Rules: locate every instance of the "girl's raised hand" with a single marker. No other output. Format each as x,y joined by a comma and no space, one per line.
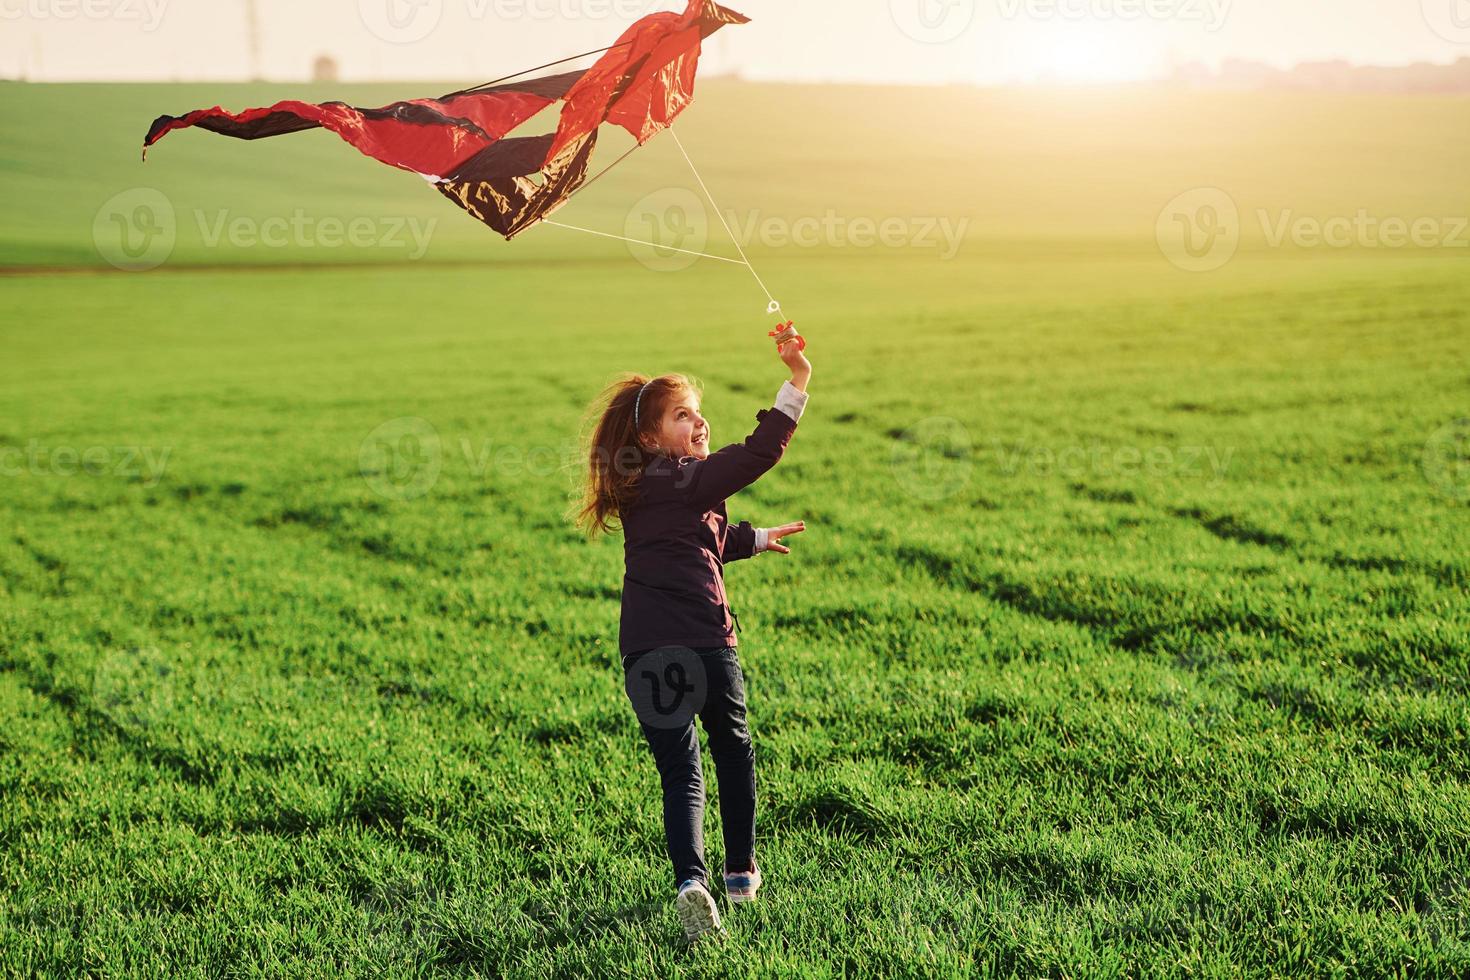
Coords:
775,534
789,345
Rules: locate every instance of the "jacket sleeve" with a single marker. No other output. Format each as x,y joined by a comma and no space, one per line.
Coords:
705,482
739,542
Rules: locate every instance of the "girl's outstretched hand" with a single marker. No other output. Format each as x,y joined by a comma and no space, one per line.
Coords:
775,534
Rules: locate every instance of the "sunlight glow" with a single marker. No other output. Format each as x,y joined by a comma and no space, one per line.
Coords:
1090,57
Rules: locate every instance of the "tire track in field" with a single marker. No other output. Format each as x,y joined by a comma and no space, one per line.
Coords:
1434,648
89,722
326,523
54,570
1070,606
1230,527
376,804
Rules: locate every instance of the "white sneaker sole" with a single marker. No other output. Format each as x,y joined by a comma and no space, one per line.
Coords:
697,913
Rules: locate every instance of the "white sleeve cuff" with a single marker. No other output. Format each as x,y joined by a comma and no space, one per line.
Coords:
761,542
791,400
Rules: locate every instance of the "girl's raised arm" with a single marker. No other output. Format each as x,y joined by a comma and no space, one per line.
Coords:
706,482
732,469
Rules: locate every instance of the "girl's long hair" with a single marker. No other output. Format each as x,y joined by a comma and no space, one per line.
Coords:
615,458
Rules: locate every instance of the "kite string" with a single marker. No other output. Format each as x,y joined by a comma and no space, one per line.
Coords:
775,306
549,64
635,241
598,176
638,241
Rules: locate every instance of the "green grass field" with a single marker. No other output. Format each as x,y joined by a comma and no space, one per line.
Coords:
1129,635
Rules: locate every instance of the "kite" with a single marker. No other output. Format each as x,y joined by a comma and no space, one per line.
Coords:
462,142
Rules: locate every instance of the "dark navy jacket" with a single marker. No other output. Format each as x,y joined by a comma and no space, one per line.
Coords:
677,539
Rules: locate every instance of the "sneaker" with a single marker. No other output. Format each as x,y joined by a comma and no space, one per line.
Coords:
741,886
697,912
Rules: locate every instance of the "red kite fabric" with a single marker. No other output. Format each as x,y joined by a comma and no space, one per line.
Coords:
426,136
647,78
458,141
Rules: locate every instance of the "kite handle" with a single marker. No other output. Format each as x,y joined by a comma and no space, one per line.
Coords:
800,340
775,310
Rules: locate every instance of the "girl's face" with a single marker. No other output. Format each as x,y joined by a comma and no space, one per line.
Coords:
682,431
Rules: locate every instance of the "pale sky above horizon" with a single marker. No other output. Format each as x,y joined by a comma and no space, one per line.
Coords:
920,41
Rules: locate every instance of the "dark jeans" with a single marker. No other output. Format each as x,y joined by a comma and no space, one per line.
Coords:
669,687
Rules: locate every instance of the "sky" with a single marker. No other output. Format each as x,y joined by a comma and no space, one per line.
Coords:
917,41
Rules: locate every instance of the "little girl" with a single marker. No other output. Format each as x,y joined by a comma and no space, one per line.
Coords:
651,468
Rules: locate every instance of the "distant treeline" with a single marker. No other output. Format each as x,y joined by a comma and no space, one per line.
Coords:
1335,76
